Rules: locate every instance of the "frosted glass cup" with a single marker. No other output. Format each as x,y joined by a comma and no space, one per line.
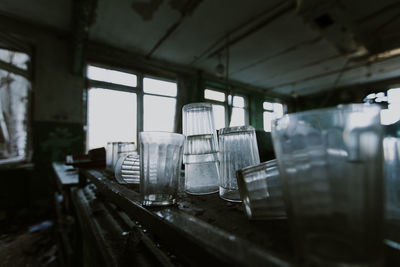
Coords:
330,162
238,148
200,149
391,150
261,192
115,150
127,169
160,166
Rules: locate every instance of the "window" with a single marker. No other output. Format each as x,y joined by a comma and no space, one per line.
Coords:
271,111
221,103
14,106
159,105
111,76
113,105
111,113
111,117
392,99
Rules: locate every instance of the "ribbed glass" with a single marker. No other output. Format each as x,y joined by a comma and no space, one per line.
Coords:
391,146
115,150
127,169
238,149
200,150
160,164
330,163
261,192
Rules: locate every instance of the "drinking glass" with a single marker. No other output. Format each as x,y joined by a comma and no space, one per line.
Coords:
200,150
238,148
127,169
260,190
330,162
391,148
115,150
160,165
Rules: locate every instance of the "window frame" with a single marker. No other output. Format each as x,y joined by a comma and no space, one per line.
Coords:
272,111
228,105
138,90
28,75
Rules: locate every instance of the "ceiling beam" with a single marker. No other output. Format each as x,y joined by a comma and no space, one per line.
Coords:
277,12
187,9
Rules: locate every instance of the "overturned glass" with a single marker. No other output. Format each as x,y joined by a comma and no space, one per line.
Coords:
260,190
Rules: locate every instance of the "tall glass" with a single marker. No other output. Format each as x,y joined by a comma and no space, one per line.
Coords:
200,150
330,162
261,192
160,165
391,148
238,148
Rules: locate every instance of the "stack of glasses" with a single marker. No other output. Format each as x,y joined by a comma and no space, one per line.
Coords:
200,149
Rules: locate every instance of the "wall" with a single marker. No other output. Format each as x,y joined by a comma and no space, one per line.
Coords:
57,117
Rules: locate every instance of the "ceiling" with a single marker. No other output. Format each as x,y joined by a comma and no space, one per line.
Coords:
287,47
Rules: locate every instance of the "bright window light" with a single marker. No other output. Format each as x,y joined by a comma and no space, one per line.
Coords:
268,117
158,87
111,76
268,106
219,116
214,95
111,117
159,113
392,114
271,111
238,117
278,110
238,101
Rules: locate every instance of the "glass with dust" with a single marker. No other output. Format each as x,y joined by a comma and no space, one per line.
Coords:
330,162
200,150
160,165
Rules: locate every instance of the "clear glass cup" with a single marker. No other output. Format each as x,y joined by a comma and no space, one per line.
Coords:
261,192
391,151
160,167
238,148
115,150
200,150
330,162
127,169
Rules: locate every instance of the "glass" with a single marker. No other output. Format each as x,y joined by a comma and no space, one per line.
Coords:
261,192
111,76
201,149
219,116
158,87
127,169
391,148
115,150
238,148
214,95
159,113
330,161
160,165
111,117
